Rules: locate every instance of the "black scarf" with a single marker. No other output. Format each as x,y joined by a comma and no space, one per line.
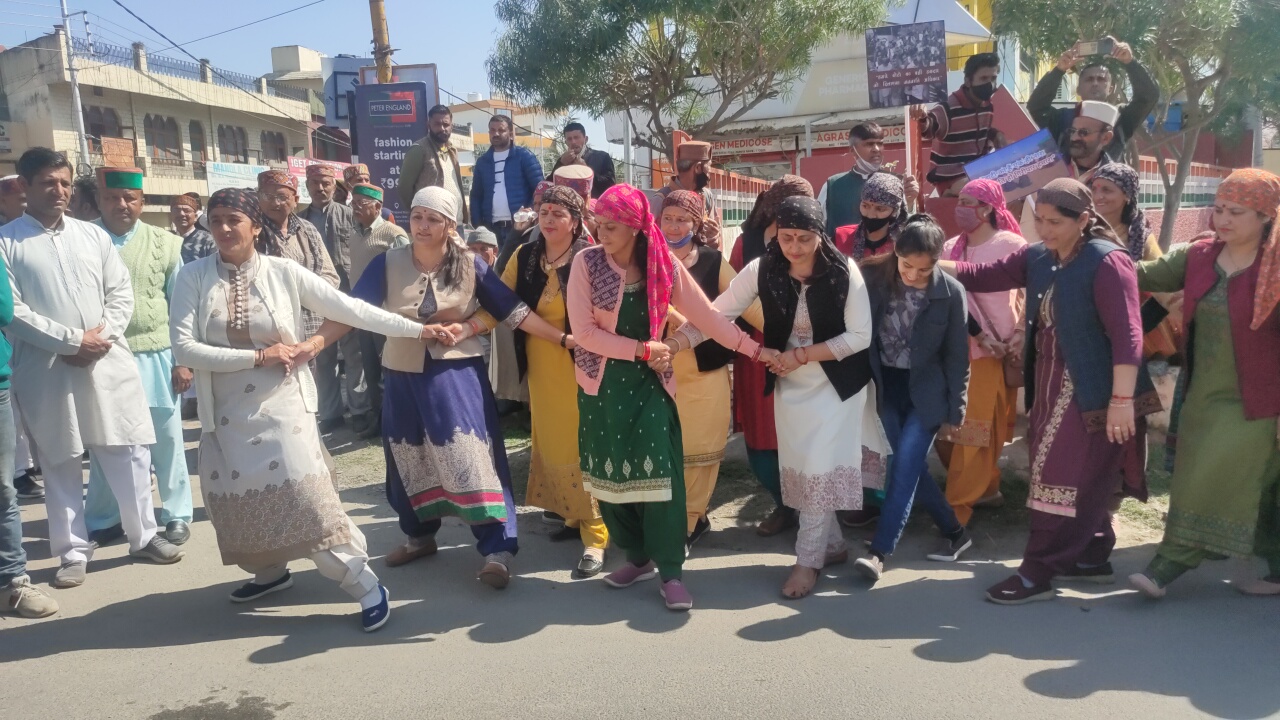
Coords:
531,280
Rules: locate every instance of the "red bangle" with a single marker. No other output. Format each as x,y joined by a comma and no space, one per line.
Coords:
1121,397
648,353
755,357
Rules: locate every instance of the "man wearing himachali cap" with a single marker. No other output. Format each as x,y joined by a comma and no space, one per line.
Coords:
337,225
153,258
1088,137
693,173
374,236
79,386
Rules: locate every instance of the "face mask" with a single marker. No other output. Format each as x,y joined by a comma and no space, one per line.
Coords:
862,166
968,219
984,91
876,224
682,242
700,181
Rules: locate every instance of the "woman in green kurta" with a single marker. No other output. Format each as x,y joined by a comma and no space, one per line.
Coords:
629,440
1223,495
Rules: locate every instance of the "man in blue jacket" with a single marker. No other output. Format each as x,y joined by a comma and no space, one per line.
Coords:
503,180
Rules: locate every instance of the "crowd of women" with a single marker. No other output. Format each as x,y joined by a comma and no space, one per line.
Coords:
853,358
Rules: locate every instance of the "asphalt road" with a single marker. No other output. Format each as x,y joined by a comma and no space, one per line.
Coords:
163,643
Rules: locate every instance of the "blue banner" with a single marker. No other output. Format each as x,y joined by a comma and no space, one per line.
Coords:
1023,167
389,120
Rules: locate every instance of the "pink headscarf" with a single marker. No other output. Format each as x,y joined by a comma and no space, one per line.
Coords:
991,193
625,204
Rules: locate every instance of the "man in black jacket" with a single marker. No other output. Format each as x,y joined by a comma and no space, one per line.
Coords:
600,162
1095,84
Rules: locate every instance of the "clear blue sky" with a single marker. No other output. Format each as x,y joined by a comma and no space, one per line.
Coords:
456,36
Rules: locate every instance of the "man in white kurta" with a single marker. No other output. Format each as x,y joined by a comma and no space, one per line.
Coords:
71,293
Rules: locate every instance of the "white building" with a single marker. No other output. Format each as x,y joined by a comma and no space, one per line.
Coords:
167,116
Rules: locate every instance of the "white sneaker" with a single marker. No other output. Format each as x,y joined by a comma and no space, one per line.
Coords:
29,601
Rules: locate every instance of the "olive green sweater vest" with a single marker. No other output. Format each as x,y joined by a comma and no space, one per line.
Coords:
149,255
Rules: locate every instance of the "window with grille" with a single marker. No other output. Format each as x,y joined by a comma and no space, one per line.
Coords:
100,122
199,153
274,146
233,144
164,144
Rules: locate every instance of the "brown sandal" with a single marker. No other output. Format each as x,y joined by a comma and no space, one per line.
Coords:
406,553
495,575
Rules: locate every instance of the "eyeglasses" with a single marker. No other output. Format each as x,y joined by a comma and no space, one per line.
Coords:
278,198
363,202
1083,132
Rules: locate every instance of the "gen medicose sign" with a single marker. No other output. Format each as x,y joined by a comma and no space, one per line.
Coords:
389,120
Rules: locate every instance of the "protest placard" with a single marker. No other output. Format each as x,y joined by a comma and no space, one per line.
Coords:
1023,167
907,64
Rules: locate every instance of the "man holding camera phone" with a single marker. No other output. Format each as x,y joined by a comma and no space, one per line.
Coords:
1096,83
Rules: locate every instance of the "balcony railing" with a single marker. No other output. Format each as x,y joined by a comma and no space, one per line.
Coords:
173,66
103,53
286,91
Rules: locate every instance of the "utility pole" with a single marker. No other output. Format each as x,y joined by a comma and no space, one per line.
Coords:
76,108
381,39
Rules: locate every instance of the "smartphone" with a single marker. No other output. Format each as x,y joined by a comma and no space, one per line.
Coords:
1104,46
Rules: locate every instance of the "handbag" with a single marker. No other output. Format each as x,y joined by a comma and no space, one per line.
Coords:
1013,375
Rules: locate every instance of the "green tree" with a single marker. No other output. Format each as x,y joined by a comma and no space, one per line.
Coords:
1214,57
693,65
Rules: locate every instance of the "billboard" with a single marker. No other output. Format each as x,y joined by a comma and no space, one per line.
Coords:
425,74
389,120
232,175
907,64
298,169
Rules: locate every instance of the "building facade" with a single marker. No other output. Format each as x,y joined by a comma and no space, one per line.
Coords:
167,116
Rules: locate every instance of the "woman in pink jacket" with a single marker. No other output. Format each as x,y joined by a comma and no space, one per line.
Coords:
629,436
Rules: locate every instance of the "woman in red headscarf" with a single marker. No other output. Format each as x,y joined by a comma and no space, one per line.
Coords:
1226,473
989,232
632,456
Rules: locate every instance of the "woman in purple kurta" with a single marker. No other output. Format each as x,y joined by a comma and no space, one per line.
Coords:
1087,392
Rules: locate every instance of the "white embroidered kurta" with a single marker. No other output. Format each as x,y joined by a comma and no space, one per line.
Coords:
821,439
65,281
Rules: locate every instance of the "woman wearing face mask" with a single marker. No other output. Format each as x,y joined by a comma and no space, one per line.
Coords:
816,311
971,451
1088,392
920,360
632,460
444,450
884,209
1226,473
703,375
752,407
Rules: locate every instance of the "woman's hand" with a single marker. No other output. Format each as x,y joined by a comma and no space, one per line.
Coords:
786,363
946,432
660,354
569,342
439,333
769,357
1017,343
304,352
459,331
1120,423
991,345
280,354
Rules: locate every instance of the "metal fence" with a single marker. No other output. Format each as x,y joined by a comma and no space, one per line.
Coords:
288,92
173,66
103,52
226,78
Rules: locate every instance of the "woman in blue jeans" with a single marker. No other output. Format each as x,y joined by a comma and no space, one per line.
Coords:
920,361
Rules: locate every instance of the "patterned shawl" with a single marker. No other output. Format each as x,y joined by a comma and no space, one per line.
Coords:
625,204
1259,190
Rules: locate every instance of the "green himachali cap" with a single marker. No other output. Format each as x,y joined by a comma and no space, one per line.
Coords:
120,178
372,191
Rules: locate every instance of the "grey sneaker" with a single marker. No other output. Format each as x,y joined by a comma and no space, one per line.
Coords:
951,550
159,551
29,601
70,575
869,567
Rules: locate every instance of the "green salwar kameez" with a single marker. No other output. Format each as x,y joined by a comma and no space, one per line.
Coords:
1223,495
632,457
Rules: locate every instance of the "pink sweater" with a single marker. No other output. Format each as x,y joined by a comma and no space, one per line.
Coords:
594,296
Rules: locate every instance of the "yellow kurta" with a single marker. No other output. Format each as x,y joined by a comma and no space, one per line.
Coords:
555,480
703,401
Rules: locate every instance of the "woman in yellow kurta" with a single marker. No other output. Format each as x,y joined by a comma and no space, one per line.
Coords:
702,376
538,273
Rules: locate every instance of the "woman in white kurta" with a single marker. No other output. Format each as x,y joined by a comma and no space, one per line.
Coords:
816,309
267,478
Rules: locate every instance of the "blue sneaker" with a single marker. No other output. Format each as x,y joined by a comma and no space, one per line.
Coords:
378,615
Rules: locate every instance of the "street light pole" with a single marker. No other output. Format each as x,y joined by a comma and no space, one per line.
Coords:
381,39
77,109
